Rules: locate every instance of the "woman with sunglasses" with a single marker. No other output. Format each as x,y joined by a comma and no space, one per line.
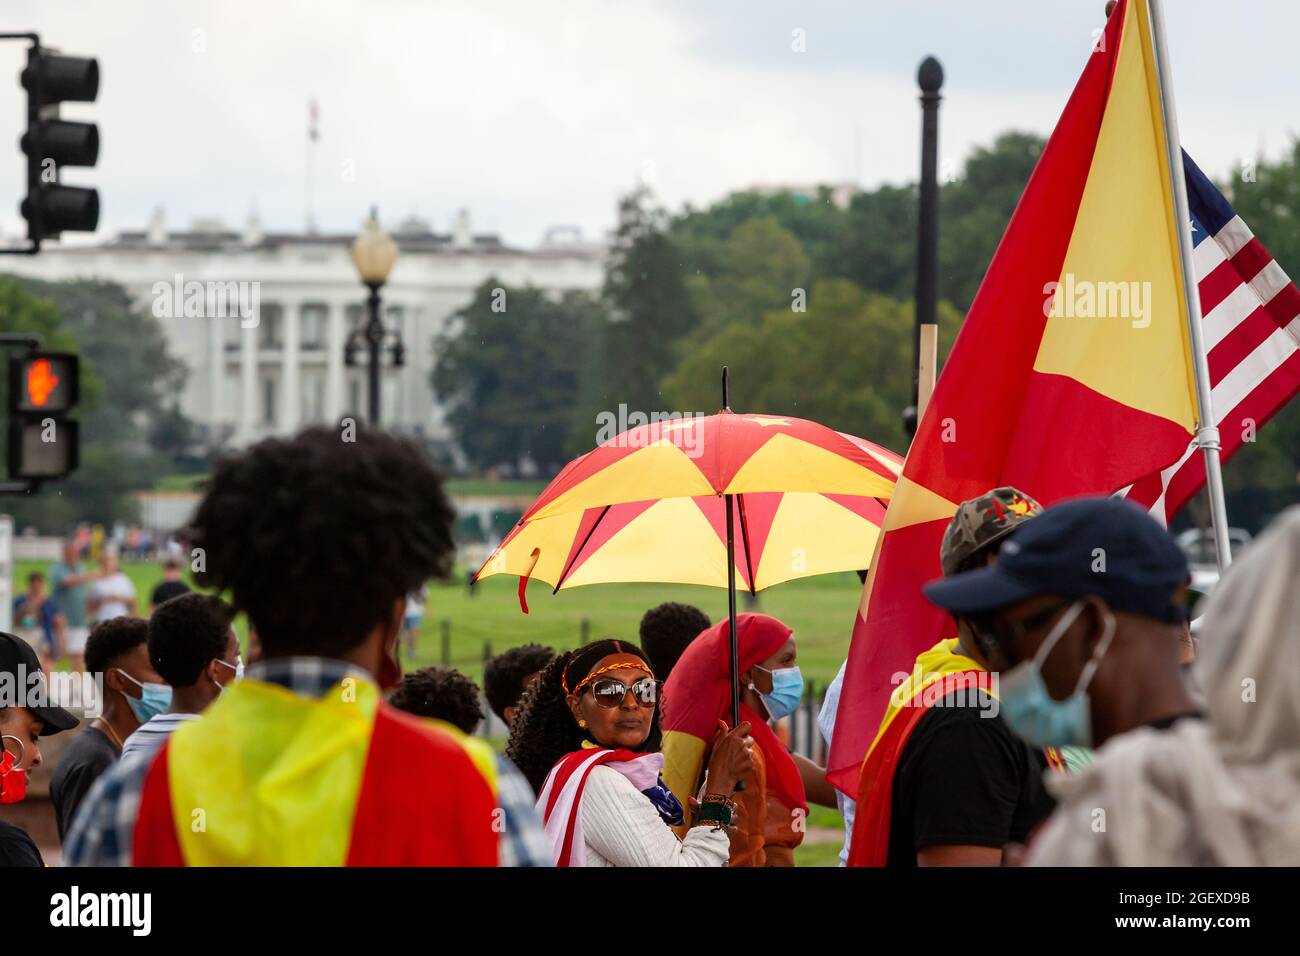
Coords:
587,738
770,811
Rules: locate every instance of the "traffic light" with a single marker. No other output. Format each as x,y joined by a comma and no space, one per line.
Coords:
52,143
43,387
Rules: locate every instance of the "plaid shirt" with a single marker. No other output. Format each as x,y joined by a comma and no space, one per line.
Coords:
104,828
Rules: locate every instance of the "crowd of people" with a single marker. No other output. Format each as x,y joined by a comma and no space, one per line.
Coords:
84,587
1068,687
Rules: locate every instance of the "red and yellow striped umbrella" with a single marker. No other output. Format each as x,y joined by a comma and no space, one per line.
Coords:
650,505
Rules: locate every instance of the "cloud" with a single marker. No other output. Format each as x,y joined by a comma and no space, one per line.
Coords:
532,114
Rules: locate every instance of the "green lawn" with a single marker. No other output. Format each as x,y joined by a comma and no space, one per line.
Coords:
819,609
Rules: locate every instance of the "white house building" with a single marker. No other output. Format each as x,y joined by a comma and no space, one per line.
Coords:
284,368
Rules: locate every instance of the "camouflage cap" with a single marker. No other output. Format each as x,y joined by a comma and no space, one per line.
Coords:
983,521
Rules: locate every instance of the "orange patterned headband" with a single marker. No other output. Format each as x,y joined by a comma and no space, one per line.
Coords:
621,665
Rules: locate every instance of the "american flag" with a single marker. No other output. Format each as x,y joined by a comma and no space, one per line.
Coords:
1251,316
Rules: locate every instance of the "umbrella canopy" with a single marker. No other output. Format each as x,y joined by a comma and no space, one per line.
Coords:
780,536
650,505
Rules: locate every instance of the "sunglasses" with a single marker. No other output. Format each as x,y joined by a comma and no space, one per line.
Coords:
611,693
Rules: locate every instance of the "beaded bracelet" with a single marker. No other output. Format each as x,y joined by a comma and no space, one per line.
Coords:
716,809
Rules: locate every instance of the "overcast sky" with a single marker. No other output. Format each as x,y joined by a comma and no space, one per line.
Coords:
532,113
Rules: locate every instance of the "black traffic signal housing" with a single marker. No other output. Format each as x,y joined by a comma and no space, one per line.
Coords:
52,143
43,387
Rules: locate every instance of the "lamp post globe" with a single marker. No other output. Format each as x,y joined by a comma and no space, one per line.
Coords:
373,254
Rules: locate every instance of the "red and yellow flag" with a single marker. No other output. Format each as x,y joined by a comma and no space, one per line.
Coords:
272,778
1072,373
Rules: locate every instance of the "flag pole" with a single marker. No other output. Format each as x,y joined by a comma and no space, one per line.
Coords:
1207,431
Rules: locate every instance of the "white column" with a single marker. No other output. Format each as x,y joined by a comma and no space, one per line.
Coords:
334,337
248,417
216,374
290,390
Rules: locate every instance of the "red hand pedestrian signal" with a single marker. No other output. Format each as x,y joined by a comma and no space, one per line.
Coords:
41,382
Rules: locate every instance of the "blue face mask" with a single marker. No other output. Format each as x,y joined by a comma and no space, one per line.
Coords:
1032,713
787,691
154,698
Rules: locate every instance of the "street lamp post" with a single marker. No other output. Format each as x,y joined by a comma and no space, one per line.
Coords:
373,254
929,78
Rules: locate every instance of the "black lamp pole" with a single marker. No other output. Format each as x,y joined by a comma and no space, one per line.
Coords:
375,340
930,78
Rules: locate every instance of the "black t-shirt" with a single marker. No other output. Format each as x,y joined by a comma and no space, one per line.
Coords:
16,847
166,590
88,756
964,780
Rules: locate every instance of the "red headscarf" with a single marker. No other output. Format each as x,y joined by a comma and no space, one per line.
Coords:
698,694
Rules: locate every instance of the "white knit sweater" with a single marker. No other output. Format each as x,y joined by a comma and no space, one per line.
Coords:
621,827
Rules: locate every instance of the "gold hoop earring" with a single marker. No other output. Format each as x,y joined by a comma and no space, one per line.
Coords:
582,724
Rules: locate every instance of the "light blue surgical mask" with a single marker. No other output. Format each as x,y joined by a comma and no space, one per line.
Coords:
787,691
154,698
1032,713
237,667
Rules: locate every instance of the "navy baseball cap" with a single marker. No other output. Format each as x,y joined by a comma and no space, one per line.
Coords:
1106,547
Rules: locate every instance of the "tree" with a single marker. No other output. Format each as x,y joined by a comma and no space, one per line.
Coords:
647,303
129,385
760,267
128,348
508,373
975,209
846,362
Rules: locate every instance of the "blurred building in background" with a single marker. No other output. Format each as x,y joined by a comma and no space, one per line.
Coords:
249,381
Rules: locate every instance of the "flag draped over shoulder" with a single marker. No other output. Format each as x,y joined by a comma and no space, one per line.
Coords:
1071,375
273,778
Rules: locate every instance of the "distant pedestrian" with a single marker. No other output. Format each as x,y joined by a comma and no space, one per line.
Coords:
412,620
70,588
171,585
38,620
112,594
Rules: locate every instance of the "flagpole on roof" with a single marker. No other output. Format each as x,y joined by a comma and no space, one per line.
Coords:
1207,432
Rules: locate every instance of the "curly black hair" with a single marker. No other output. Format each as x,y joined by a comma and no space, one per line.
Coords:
186,634
667,630
443,693
318,536
111,640
544,729
503,675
